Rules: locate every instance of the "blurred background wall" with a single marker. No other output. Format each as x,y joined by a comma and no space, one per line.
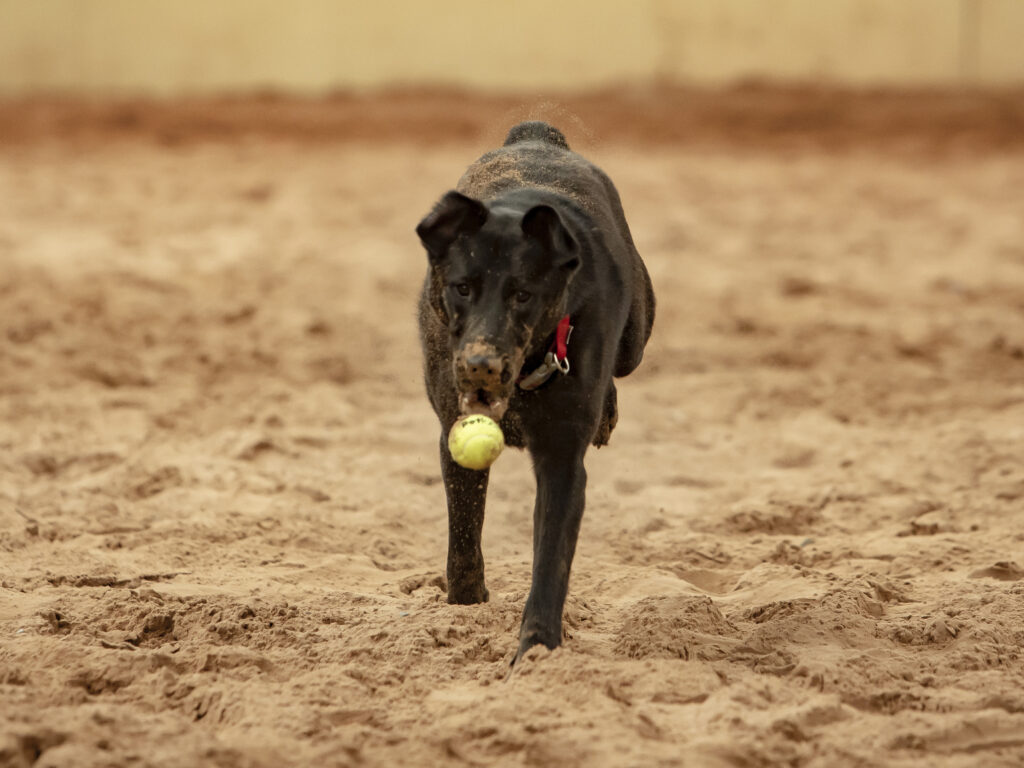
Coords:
167,47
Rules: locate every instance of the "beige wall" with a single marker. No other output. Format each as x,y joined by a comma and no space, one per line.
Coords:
203,46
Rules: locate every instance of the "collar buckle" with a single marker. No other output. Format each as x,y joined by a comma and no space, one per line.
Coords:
552,362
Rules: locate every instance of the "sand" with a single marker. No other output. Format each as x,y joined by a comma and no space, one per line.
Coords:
222,532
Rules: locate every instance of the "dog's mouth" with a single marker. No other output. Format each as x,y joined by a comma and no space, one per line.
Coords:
481,401
485,378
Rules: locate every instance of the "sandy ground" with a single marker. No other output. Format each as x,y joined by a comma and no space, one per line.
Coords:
222,533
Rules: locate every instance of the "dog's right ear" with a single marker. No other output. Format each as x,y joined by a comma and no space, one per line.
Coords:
454,215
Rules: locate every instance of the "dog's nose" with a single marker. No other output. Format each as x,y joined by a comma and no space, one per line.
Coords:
481,365
485,369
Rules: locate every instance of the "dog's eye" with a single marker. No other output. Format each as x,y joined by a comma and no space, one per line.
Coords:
523,296
462,289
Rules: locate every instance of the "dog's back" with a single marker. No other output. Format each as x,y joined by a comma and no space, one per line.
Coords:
535,130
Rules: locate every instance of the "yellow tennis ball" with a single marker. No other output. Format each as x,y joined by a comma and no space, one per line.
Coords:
475,441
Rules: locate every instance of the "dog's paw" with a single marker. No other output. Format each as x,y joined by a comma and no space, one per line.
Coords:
467,593
534,639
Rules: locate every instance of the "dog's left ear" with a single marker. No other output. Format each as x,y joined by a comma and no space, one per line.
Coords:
454,215
543,224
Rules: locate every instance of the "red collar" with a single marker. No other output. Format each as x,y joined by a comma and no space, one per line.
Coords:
555,360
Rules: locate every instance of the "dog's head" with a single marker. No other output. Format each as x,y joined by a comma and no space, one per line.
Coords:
498,281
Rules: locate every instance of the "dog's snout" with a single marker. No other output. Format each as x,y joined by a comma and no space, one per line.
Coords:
483,376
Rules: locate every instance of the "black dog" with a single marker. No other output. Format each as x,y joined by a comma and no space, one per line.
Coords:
533,239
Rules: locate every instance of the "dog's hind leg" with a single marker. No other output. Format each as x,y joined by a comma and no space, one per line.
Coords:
609,419
638,325
561,486
466,490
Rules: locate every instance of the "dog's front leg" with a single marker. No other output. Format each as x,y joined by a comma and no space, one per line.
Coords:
561,486
466,490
